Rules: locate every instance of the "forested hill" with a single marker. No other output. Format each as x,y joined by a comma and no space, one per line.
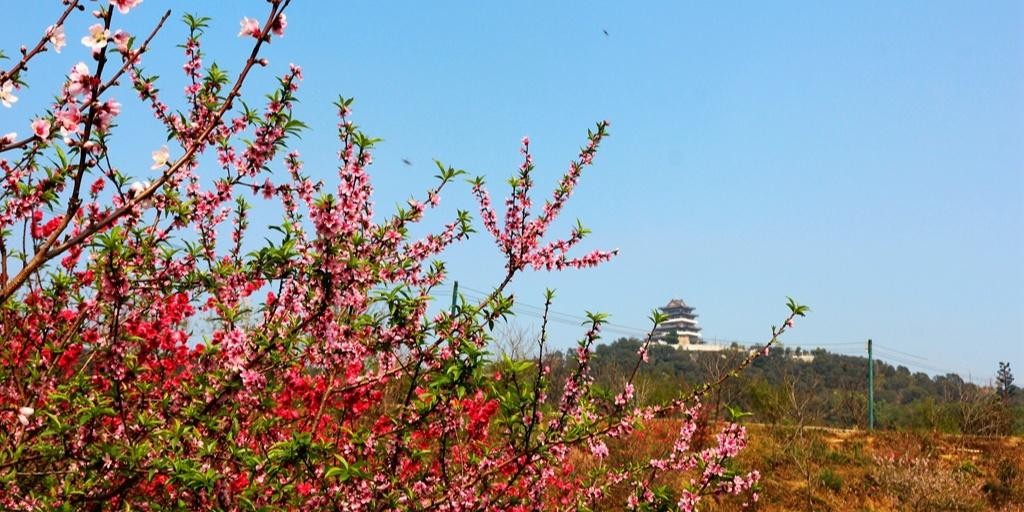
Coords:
830,389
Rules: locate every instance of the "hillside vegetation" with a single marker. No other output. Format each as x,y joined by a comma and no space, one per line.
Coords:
830,390
940,443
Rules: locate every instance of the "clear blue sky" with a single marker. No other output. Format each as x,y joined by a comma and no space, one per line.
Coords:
866,159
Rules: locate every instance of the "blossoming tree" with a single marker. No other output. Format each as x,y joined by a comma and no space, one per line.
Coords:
323,379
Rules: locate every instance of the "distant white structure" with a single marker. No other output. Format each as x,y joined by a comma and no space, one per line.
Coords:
702,347
680,329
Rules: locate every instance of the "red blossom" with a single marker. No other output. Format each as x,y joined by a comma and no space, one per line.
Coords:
222,330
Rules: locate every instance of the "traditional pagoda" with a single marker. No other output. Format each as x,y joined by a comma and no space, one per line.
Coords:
681,328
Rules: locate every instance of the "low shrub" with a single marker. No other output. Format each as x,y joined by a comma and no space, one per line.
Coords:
922,484
830,480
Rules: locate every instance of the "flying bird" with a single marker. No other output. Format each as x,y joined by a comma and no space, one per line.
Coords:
406,161
605,32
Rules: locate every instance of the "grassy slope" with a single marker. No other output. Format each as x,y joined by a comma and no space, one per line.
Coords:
831,469
836,469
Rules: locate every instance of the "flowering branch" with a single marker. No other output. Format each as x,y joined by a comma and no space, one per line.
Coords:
158,354
50,250
26,56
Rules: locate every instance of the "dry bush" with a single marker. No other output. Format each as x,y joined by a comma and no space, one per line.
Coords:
654,440
1006,486
918,483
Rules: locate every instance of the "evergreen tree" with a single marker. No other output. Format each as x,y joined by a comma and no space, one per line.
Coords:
1004,380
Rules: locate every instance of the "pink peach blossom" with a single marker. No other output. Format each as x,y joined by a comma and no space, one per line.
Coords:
123,6
41,128
121,39
79,79
24,413
97,38
7,97
250,27
56,37
280,23
160,158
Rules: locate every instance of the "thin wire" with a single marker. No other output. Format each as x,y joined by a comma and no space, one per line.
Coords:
922,366
852,343
630,329
883,347
933,368
567,318
534,311
538,312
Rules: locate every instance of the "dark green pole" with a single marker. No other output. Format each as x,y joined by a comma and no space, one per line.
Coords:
455,296
871,388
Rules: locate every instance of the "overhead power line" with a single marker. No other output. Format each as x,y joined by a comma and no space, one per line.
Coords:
916,364
883,347
846,348
535,311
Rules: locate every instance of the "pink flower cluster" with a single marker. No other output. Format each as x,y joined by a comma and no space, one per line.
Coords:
221,330
521,237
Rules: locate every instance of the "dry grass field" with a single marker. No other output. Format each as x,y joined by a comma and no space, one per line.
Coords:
822,469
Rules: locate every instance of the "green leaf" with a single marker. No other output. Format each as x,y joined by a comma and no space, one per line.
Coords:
796,308
735,413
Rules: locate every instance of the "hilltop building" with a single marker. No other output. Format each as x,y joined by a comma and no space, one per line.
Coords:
681,329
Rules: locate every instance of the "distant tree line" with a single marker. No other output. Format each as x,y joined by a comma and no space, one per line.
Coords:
830,390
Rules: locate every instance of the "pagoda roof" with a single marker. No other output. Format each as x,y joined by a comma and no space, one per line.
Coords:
676,303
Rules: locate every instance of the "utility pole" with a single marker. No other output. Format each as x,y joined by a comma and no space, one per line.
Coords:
871,388
455,296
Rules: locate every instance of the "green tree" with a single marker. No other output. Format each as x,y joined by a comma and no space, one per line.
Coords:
1004,380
